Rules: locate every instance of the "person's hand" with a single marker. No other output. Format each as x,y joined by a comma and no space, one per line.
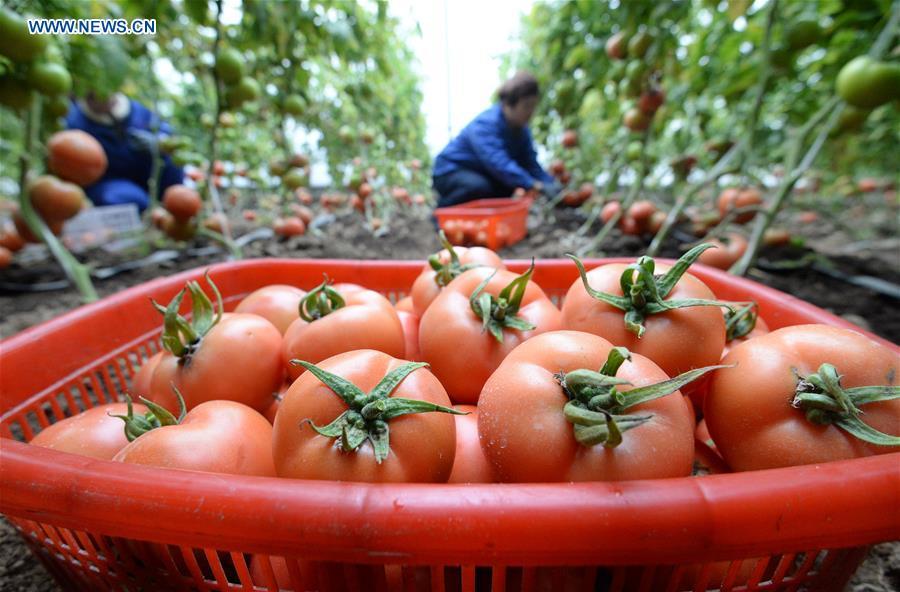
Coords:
550,190
142,140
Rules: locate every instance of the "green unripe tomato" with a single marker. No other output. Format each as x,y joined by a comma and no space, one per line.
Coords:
230,65
49,78
867,83
803,33
639,44
16,42
293,105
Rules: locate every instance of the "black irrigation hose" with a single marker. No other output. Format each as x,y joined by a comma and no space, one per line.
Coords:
875,284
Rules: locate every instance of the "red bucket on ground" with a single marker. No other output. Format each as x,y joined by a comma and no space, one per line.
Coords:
493,223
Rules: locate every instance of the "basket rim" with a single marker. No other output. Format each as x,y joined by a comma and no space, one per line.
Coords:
714,517
486,207
838,504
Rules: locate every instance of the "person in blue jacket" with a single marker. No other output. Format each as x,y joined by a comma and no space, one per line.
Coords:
494,154
126,129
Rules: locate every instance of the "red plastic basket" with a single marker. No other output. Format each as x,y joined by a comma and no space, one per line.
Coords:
102,525
493,223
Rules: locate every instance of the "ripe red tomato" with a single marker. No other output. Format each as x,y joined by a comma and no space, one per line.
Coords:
10,239
734,198
609,210
641,211
636,120
92,433
651,100
304,213
629,226
143,379
410,324
767,411
24,231
431,281
570,138
215,436
616,46
354,318
290,226
726,252
678,340
76,156
54,199
527,437
237,358
557,168
278,304
364,191
182,202
453,339
421,444
470,465
405,304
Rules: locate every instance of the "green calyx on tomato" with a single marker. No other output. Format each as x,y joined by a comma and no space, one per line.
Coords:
321,301
597,410
645,294
499,312
825,402
449,271
740,322
369,413
157,417
180,336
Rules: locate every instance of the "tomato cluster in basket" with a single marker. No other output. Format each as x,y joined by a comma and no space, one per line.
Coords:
475,232
477,376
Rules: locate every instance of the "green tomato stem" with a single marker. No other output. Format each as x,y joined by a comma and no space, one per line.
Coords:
369,413
825,402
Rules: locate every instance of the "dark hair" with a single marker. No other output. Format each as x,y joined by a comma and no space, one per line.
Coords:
521,85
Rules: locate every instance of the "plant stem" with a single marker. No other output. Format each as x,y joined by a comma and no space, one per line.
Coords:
797,165
75,271
765,74
720,168
764,220
211,192
229,244
611,184
633,192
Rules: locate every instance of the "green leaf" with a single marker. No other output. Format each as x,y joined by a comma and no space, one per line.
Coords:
392,380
